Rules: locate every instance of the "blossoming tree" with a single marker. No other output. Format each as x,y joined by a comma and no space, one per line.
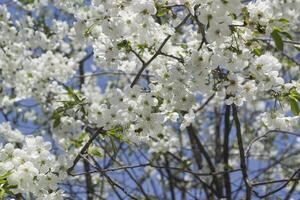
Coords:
149,99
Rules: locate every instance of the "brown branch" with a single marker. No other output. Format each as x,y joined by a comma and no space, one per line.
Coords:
89,181
205,103
85,148
241,151
201,29
86,57
226,151
170,177
291,191
88,178
172,56
138,56
199,149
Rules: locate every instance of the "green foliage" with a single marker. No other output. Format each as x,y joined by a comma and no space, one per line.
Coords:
294,106
277,34
89,30
257,51
26,1
295,94
142,47
161,11
246,16
4,186
277,39
75,103
95,151
79,141
113,145
235,50
117,133
283,20
124,44
294,99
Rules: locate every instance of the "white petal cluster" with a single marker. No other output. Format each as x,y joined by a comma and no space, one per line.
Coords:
10,135
32,167
144,71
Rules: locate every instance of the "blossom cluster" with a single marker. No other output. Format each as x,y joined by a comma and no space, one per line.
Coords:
30,165
169,60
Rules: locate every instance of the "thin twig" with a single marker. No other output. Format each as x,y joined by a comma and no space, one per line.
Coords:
157,53
85,148
284,41
138,56
112,182
205,103
264,136
199,149
113,73
255,184
280,188
159,167
172,56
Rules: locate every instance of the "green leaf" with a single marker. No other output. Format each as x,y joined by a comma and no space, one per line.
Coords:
286,34
278,29
26,1
72,94
89,30
94,151
257,51
161,12
2,193
229,167
246,15
83,136
56,122
297,46
277,39
294,105
283,20
142,47
184,46
113,145
294,94
3,181
124,44
117,133
11,187
4,176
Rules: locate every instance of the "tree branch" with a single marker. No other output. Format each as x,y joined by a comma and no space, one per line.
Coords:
85,148
278,189
197,146
264,136
242,153
157,53
226,151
